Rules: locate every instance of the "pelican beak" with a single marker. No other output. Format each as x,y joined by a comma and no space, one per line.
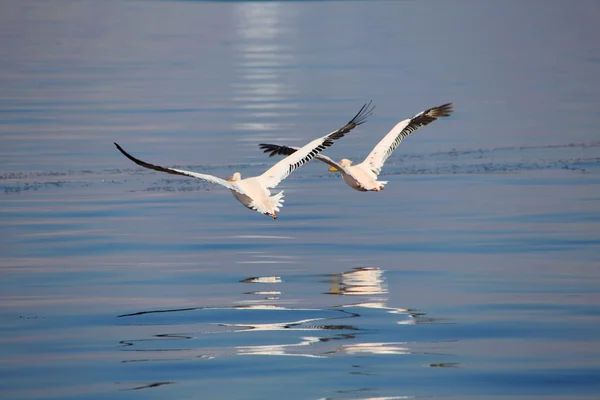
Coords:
332,169
230,179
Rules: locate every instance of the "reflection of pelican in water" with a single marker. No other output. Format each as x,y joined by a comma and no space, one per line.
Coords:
361,281
269,328
369,281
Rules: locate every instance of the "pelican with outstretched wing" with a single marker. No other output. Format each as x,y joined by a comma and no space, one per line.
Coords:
363,176
253,192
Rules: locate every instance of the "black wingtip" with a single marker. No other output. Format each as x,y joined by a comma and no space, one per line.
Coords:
365,111
274,149
126,154
271,149
360,118
445,110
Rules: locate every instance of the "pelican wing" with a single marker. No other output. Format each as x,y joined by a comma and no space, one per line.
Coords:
274,175
174,171
274,150
388,144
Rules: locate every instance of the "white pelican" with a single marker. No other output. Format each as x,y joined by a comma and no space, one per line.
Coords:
253,192
363,176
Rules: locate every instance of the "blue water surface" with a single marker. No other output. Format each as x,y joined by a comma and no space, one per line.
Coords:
473,275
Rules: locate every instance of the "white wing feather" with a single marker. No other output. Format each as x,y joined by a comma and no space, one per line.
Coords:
388,144
278,172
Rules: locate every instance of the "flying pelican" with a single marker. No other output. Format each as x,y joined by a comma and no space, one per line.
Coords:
363,176
253,192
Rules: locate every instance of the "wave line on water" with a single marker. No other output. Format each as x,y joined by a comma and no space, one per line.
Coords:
261,237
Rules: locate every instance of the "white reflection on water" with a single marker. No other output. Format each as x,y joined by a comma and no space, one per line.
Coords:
263,279
372,398
262,87
377,348
259,257
277,326
362,281
280,350
368,281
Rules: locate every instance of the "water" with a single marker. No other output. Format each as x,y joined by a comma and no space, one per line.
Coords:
474,274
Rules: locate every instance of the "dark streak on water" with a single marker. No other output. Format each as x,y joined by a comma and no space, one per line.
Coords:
513,159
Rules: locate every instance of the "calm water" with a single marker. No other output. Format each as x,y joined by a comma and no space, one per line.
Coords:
475,274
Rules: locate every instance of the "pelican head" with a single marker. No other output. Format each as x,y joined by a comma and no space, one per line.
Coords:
345,163
235,177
